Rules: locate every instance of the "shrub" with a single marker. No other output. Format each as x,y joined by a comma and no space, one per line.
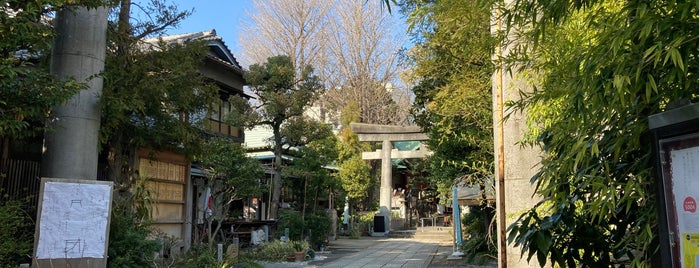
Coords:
291,219
16,234
204,256
361,227
367,218
319,225
479,247
129,245
199,256
274,251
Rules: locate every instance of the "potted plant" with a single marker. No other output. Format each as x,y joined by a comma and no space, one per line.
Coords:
323,245
299,249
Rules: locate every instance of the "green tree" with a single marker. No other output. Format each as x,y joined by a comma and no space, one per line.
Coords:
454,106
309,174
356,180
281,95
355,173
231,175
453,101
599,69
27,90
154,95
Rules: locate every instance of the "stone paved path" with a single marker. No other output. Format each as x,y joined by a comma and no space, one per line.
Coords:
387,253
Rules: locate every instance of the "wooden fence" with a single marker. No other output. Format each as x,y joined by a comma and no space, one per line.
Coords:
20,180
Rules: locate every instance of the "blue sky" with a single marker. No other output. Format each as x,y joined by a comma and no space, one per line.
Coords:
223,15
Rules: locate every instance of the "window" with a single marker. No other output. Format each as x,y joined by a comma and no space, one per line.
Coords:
217,120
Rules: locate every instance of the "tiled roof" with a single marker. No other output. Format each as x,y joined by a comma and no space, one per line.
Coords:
222,55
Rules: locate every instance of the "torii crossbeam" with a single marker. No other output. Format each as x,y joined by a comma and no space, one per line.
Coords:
387,134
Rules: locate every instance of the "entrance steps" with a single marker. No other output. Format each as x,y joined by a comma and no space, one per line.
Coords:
401,234
440,234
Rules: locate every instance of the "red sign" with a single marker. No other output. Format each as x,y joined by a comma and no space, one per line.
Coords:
690,204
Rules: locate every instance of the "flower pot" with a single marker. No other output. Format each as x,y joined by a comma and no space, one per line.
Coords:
299,255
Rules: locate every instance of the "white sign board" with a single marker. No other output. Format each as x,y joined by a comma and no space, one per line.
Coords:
680,167
685,167
73,219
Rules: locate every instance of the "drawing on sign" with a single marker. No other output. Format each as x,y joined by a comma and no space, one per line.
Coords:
73,220
73,246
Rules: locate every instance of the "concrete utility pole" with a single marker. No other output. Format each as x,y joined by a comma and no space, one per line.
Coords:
70,146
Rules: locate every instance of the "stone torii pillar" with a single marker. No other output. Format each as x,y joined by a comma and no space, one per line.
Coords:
387,134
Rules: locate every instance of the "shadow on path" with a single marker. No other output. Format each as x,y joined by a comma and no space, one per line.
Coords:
383,252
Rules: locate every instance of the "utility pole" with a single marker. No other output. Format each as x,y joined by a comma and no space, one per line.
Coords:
71,144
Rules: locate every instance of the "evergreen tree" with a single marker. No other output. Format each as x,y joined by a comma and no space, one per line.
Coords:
282,95
355,173
453,101
231,175
154,95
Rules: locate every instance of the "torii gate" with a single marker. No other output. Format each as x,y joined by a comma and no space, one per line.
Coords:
387,134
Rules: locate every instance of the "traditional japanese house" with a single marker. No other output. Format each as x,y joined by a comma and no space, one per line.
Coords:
174,178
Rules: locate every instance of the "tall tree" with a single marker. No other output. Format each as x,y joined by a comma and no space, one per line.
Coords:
283,27
453,103
152,89
348,43
452,76
231,175
362,63
281,95
355,173
599,68
317,149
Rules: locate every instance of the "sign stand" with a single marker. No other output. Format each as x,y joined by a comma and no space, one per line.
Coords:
72,228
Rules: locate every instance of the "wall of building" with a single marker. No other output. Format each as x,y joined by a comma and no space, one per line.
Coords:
168,175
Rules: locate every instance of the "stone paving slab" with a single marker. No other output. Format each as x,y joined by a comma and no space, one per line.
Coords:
393,252
443,259
370,252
